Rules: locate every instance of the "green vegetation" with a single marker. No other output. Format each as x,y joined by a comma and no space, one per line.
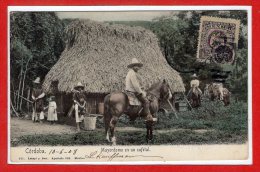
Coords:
220,125
36,42
178,38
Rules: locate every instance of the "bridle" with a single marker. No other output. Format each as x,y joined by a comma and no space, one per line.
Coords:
151,95
166,95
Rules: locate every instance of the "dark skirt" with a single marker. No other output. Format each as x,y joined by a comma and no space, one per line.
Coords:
38,105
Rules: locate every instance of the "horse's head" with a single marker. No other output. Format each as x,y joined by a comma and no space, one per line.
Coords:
165,91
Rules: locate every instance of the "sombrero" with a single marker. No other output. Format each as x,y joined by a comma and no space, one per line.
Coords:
37,80
79,85
135,62
194,76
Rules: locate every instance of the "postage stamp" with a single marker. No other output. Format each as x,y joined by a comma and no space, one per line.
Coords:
218,37
123,86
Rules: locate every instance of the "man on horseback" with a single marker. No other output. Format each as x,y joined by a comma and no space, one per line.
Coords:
218,86
194,94
194,84
133,85
118,102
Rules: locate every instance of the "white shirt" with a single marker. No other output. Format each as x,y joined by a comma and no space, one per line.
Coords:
132,82
195,82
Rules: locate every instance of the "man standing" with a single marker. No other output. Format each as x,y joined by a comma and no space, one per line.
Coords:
37,97
79,100
133,85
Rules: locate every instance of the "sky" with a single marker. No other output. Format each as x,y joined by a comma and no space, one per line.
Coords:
114,16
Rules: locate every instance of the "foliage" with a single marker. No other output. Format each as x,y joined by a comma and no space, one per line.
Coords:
178,38
36,42
41,34
211,115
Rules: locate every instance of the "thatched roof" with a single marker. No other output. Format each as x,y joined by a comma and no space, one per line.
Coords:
97,54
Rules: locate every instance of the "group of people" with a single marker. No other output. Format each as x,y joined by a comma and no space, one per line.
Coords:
132,84
194,86
79,100
38,97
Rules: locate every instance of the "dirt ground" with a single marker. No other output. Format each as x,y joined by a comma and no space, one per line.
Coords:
21,127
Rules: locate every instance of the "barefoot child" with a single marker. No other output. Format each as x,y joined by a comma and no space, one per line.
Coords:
52,110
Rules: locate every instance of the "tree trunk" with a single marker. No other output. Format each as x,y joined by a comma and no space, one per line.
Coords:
24,76
19,88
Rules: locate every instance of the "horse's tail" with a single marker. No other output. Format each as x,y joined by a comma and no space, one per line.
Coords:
107,113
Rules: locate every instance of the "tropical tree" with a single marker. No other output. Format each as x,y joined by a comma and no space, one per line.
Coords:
36,42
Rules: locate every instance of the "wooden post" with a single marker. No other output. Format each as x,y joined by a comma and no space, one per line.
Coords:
28,97
16,113
61,103
187,100
174,111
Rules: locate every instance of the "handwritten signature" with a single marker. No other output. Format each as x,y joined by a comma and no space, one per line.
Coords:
117,155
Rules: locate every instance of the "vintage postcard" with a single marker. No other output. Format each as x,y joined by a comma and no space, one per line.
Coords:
130,85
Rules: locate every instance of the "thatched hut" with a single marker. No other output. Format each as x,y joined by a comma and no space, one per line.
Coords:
97,54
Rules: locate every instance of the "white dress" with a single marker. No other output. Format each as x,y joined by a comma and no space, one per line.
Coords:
52,111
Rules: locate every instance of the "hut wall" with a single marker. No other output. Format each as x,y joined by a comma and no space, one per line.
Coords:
59,102
93,101
64,102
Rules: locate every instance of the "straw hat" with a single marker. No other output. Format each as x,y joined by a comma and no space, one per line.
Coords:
51,98
79,85
135,62
194,76
37,80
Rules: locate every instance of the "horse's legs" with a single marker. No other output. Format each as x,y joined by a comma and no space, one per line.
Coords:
107,125
149,130
199,99
112,129
226,100
107,119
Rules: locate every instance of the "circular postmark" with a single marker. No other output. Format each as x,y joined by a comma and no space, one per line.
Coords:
223,54
222,51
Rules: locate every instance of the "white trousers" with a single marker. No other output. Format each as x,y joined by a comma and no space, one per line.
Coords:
78,119
37,116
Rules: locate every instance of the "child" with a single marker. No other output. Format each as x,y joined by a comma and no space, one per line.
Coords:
52,110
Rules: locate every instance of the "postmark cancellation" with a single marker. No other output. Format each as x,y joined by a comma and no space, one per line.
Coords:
218,38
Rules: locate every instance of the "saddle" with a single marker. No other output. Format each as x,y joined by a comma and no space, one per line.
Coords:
133,100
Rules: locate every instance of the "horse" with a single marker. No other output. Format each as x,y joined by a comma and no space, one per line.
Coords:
213,93
194,98
117,103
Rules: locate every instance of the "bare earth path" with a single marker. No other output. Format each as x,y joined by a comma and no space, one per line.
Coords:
21,127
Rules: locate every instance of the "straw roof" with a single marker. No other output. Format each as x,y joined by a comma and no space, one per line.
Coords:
97,54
